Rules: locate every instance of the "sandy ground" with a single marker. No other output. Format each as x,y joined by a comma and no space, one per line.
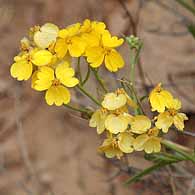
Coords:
60,145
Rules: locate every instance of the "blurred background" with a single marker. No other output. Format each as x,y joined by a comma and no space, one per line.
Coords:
50,150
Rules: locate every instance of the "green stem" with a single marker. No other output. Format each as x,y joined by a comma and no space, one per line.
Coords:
79,69
87,76
133,61
184,151
187,6
99,80
82,110
88,95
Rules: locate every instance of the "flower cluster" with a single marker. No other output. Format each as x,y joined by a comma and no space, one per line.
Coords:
126,133
45,56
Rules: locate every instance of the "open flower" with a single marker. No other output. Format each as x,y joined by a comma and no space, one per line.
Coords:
159,98
68,40
172,116
149,142
105,51
46,35
23,66
116,146
55,82
113,101
117,123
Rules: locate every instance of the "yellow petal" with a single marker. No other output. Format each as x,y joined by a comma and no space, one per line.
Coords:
152,145
98,120
125,142
116,124
47,34
21,70
179,121
77,47
41,57
164,121
95,56
66,75
42,79
113,61
139,142
140,124
61,48
113,101
159,99
57,95
109,41
174,104
73,29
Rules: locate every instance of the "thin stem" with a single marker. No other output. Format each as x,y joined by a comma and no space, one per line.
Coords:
88,95
82,110
184,151
79,69
87,76
134,56
99,79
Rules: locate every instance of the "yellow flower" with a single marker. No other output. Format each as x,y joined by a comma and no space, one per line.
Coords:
125,142
117,123
166,119
119,99
140,124
46,35
159,98
68,40
149,142
105,51
23,66
91,32
110,148
55,82
116,146
98,120
112,101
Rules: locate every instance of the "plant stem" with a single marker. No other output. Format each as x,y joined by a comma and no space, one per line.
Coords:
184,151
133,61
187,6
79,69
82,110
88,95
99,79
87,76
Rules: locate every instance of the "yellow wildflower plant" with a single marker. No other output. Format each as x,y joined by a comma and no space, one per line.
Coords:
159,98
23,66
149,142
172,116
69,41
46,35
55,82
105,52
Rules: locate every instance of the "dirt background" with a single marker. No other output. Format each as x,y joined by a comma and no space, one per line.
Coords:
49,150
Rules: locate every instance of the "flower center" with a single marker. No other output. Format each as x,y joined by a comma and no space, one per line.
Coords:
172,112
56,82
107,51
